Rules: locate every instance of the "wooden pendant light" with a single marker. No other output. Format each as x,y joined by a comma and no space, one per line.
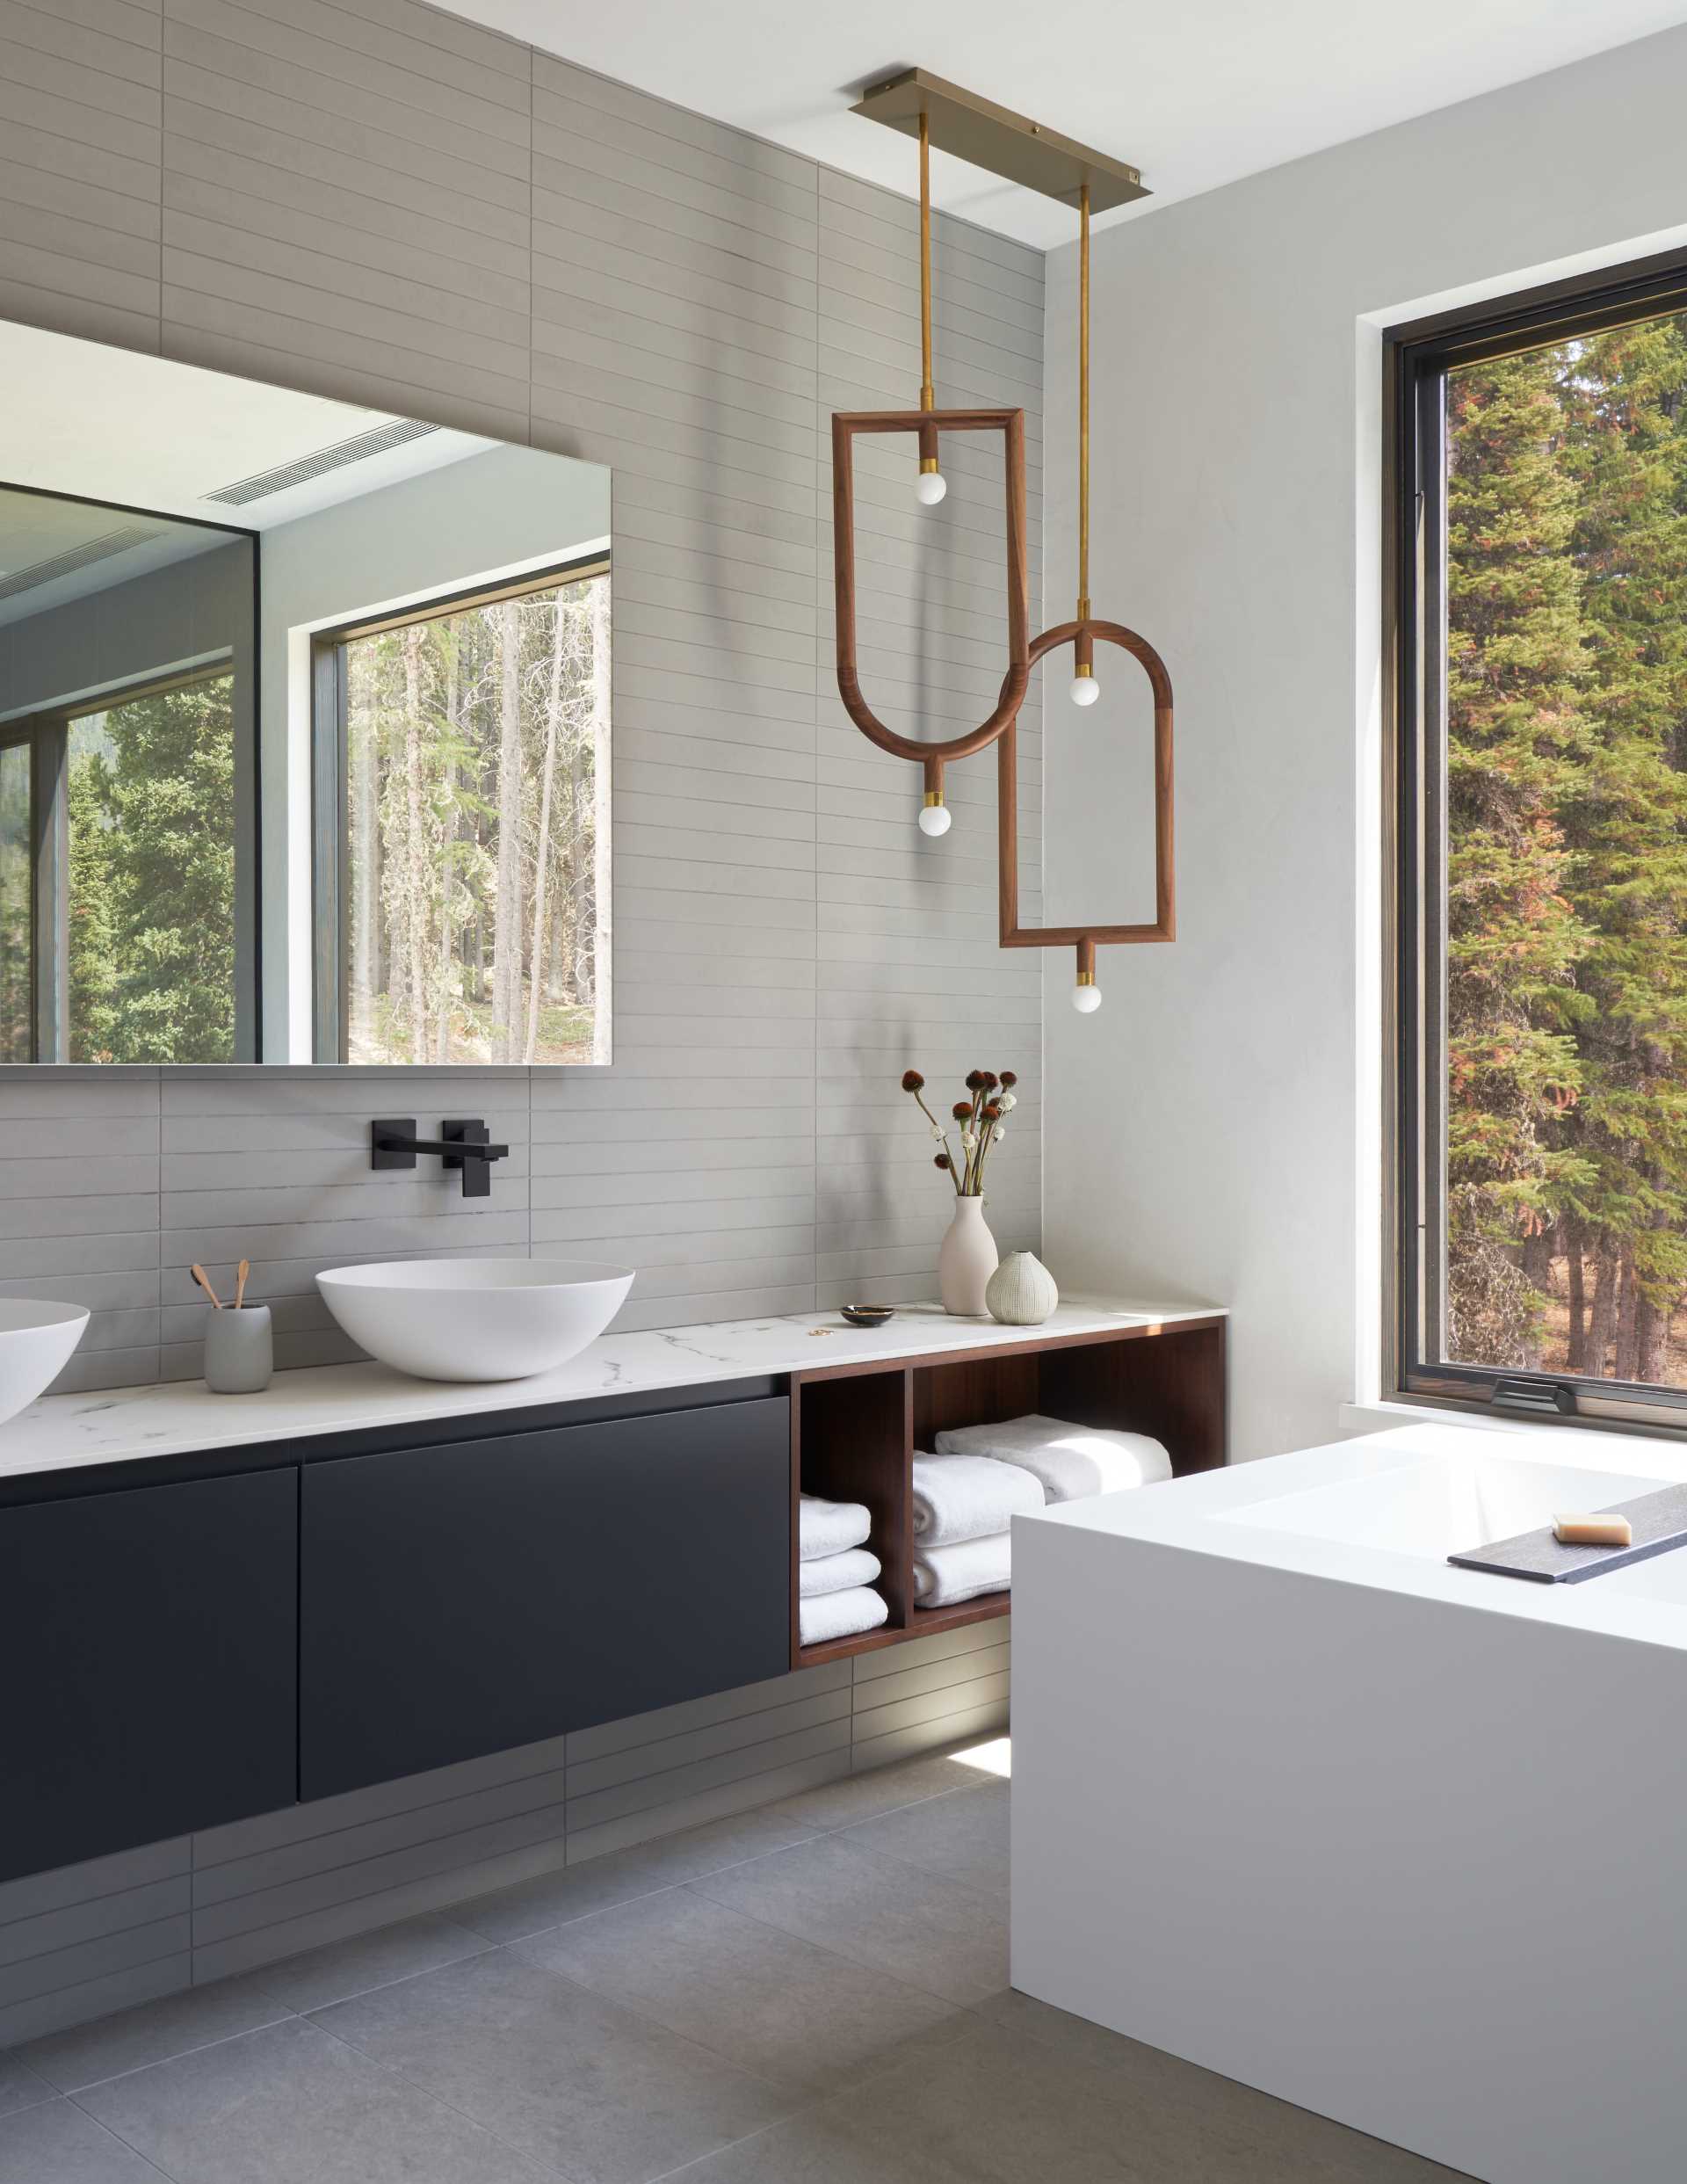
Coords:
1023,152
927,423
1082,634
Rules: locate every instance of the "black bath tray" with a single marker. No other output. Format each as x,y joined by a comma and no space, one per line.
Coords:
1658,1521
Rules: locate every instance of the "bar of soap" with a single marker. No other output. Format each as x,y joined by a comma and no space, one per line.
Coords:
1593,1531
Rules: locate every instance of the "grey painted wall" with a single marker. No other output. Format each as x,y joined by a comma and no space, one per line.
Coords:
372,200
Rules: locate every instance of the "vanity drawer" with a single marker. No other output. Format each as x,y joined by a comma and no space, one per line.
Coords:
150,1639
460,1600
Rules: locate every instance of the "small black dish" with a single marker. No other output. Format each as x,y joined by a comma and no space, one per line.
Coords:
867,1315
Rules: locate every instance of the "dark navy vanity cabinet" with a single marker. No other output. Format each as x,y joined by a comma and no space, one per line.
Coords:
150,1643
192,1640
455,1601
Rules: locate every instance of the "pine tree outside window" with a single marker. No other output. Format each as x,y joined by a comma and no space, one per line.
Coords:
117,877
1539,544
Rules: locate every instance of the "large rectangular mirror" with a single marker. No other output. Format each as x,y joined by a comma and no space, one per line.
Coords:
304,727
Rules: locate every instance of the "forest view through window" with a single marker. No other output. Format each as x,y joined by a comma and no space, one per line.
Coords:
1557,1074
476,748
117,879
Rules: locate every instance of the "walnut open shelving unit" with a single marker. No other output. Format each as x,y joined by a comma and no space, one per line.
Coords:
854,1429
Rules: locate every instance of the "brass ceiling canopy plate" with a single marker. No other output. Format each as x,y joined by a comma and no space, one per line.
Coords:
1001,142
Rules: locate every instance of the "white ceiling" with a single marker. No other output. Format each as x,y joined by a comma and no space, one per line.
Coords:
1194,93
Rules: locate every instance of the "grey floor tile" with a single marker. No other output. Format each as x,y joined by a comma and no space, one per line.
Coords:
600,2094
800,2015
343,1968
1264,2140
829,2145
931,1931
152,2032
963,1836
986,2109
881,1789
288,2105
551,1898
56,2144
20,2088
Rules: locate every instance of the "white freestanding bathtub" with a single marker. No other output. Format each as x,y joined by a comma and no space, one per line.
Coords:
1402,1843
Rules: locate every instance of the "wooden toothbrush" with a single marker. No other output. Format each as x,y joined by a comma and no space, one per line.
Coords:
204,1281
240,1272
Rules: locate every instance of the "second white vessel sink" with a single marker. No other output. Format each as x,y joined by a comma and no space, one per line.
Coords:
475,1318
35,1342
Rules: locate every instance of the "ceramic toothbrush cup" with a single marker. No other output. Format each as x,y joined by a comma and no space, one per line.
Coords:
239,1353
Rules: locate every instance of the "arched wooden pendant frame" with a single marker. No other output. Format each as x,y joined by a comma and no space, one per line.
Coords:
1083,637
928,425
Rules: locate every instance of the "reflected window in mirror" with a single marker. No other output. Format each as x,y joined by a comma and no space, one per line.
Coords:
125,737
463,751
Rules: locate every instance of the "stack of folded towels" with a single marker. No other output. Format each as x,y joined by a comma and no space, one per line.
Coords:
837,1571
963,1506
982,1476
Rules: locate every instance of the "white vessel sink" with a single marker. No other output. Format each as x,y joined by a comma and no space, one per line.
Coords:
35,1342
475,1318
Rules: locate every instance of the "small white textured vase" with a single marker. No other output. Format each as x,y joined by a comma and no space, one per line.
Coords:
966,1259
1021,1292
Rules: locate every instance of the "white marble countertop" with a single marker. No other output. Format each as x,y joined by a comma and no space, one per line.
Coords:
176,1418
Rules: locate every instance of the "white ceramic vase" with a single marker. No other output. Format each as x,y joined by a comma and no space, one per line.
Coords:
1021,1292
967,1260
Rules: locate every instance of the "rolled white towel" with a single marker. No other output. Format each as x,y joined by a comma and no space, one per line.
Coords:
827,1527
968,1498
840,1615
961,1570
1070,1460
836,1573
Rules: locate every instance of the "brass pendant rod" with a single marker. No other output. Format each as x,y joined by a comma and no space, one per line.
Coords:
927,395
1083,404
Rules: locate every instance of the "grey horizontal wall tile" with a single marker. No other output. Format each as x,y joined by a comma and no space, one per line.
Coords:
41,1894
357,1808
121,1949
414,24
498,72
269,1873
415,1861
52,1933
481,1875
86,2000
943,1731
967,1639
926,1707
697,1807
737,1740
712,1771
294,51
953,1672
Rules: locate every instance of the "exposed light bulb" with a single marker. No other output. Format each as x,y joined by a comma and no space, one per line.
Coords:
1086,999
1085,690
934,818
930,487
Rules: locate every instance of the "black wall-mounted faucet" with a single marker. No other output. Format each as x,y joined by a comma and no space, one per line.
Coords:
394,1144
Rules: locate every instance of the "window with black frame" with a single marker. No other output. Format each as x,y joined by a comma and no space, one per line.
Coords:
1539,560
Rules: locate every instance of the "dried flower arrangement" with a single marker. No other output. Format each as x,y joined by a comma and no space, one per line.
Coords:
982,1117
